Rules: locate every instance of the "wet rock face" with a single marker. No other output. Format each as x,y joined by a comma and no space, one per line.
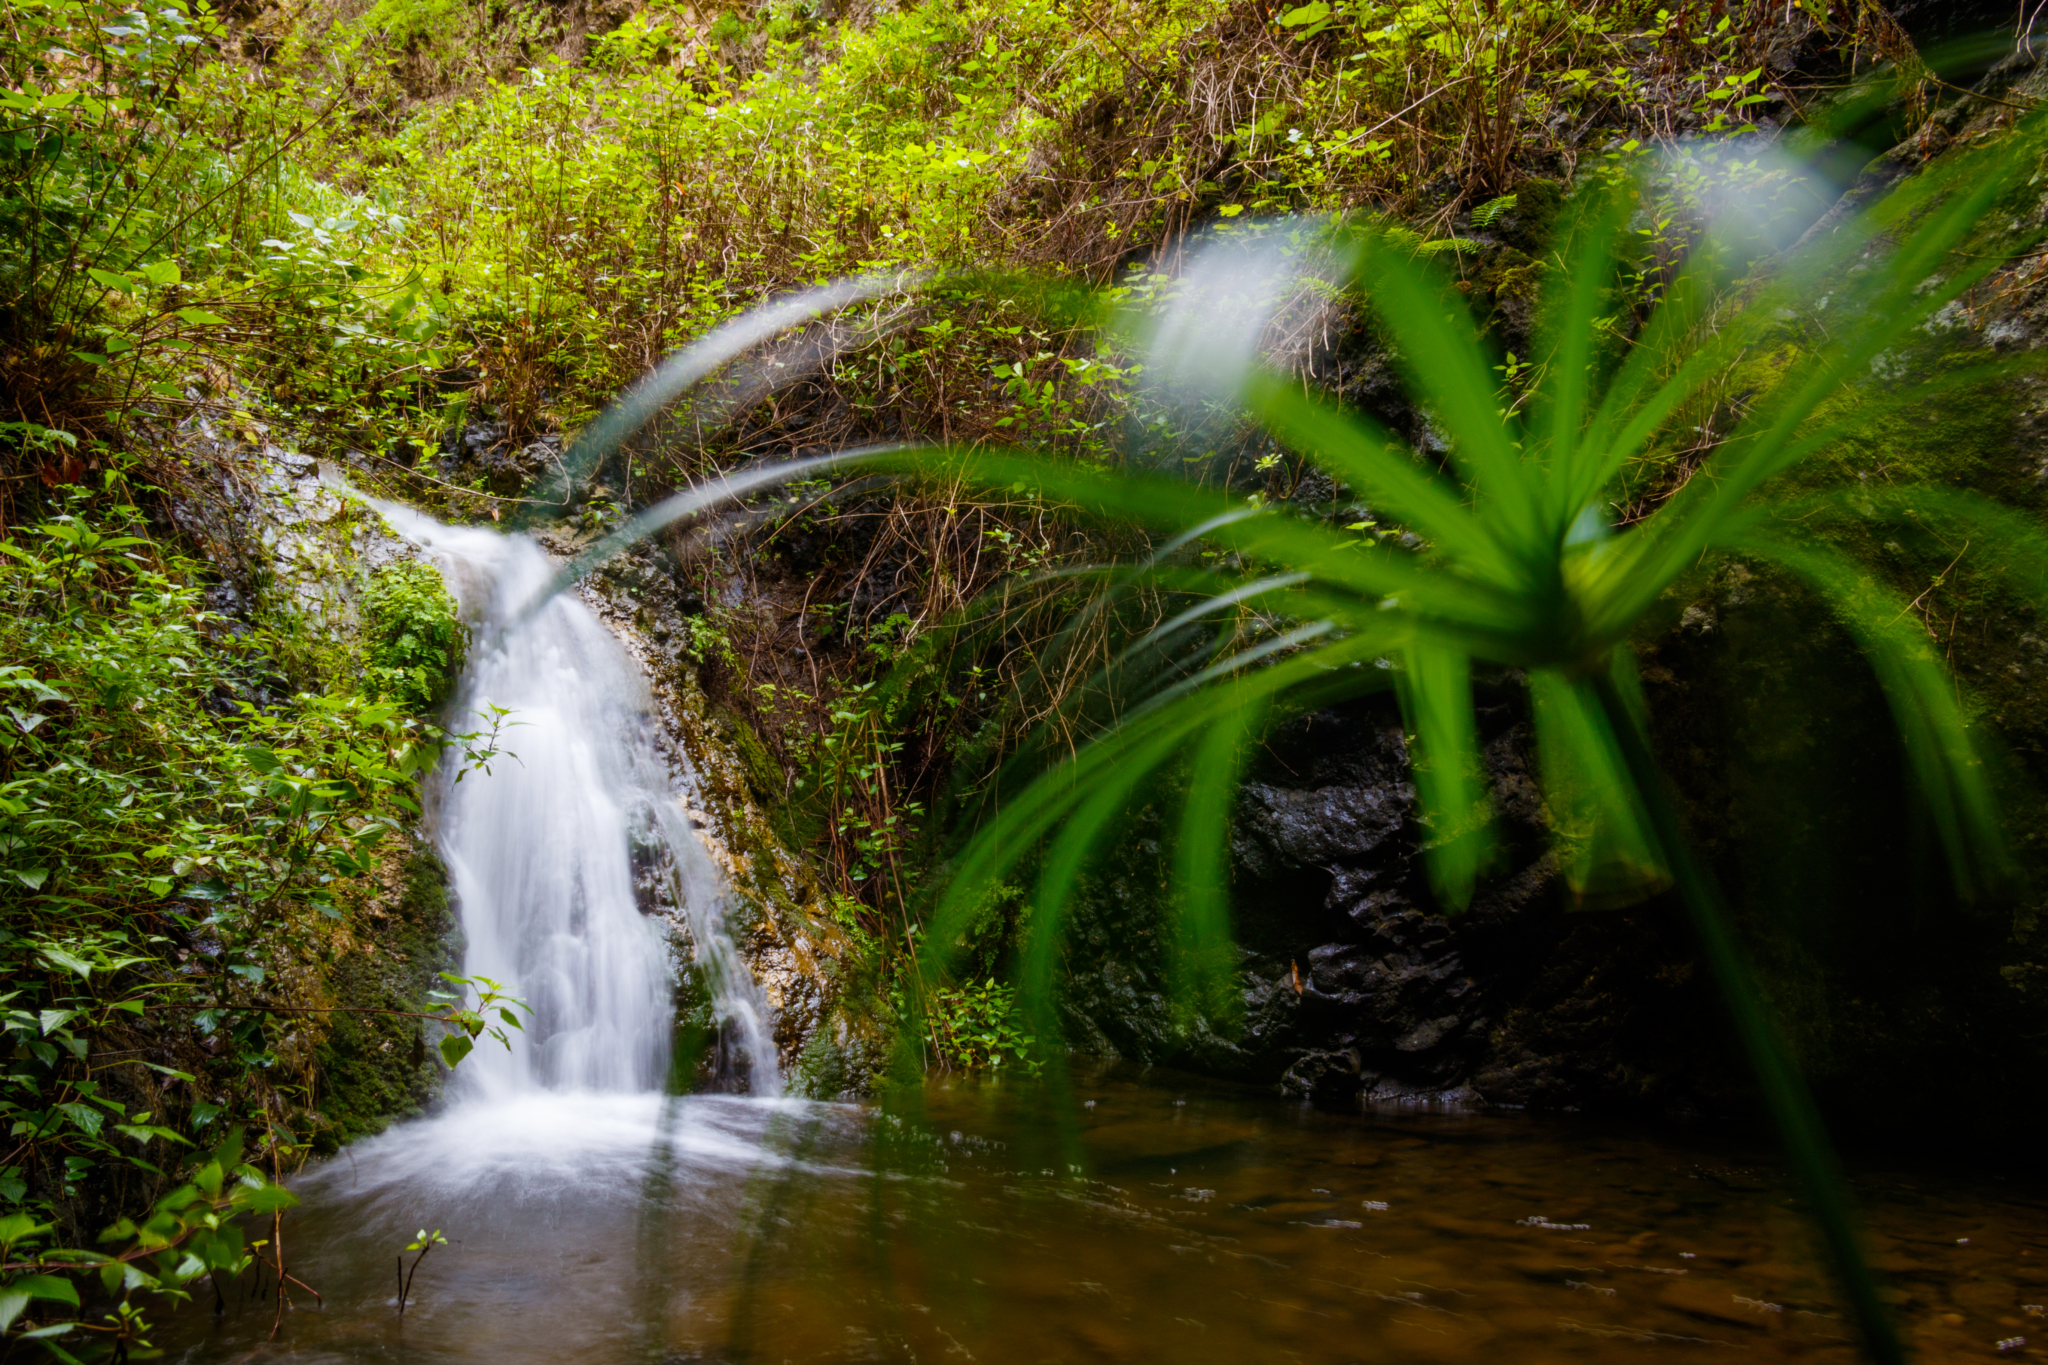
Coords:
1358,988
774,910
1388,1002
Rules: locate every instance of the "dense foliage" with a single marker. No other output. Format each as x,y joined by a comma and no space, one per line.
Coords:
187,835
413,640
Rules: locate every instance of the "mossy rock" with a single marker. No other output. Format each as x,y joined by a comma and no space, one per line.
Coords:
377,1068
764,776
1532,222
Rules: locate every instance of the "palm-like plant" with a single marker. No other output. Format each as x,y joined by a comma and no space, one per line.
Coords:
1516,566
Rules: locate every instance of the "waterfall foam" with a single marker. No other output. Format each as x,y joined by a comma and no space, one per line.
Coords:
562,856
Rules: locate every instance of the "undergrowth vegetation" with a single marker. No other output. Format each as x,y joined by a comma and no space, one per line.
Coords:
187,836
413,642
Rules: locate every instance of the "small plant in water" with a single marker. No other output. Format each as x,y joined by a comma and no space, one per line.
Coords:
422,1244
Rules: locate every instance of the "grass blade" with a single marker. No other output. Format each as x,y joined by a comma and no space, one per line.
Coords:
1440,354
1608,852
1201,960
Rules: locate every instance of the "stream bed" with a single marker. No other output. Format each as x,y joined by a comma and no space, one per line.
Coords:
1130,1218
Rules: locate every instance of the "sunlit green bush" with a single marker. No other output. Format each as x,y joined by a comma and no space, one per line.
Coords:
413,640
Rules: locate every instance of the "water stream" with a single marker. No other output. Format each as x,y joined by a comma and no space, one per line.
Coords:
591,1217
563,856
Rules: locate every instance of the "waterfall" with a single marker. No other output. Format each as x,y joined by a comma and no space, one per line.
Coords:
563,856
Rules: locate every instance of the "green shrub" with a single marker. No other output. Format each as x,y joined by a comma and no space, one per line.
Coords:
413,641
977,1027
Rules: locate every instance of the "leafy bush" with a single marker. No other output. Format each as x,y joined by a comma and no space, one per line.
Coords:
413,640
978,1027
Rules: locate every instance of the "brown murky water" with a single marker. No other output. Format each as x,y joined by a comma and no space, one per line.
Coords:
1171,1221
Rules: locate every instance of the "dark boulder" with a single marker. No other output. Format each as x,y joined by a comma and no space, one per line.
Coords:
1358,987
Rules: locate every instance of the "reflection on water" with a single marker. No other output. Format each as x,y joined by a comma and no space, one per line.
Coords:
1174,1222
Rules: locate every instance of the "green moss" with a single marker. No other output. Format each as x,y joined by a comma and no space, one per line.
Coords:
695,1036
764,777
851,1047
377,1068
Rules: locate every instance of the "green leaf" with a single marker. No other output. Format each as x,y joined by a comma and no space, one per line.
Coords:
199,317
1313,12
1380,465
48,1288
1948,766
1202,966
266,1198
70,962
455,1047
32,877
85,1116
19,1227
1435,690
17,1295
43,1335
1441,353
1610,858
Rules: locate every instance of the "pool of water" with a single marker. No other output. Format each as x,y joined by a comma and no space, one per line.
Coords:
1131,1218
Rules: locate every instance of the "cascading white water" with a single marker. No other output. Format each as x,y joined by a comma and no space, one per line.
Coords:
561,855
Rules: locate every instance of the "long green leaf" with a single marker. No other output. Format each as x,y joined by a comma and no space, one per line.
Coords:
1379,465
685,369
1948,768
1567,348
1784,1089
2004,539
1435,689
1201,961
1439,351
1609,855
